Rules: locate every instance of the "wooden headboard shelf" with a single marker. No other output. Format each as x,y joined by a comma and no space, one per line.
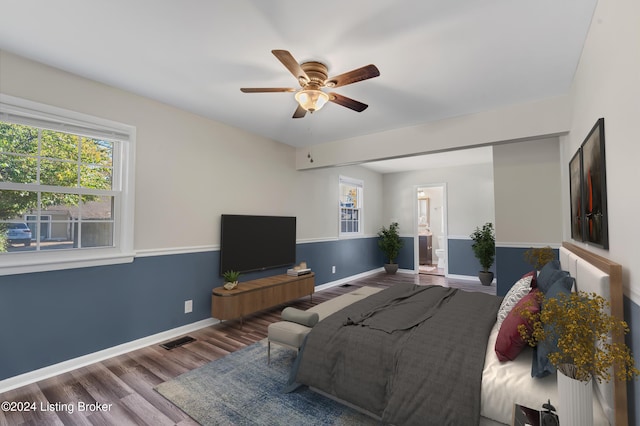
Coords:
614,270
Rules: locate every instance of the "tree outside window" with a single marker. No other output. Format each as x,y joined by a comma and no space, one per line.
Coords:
60,184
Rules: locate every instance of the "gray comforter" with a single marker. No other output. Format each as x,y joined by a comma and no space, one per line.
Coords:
412,355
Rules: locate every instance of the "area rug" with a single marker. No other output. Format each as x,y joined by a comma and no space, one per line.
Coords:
241,389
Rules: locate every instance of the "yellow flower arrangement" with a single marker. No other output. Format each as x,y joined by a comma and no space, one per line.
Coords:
538,257
581,325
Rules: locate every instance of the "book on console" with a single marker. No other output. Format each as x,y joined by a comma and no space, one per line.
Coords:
295,272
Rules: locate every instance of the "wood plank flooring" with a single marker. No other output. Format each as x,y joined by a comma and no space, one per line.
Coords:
121,388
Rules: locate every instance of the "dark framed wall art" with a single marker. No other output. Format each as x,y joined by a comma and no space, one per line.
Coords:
575,194
588,190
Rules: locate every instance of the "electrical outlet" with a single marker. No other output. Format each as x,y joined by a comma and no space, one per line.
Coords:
333,269
188,306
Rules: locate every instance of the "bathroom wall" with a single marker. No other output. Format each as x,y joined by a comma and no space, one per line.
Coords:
436,221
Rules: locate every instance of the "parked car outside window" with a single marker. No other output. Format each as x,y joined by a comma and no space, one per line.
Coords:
19,233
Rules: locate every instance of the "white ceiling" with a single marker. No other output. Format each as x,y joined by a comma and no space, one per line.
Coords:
437,58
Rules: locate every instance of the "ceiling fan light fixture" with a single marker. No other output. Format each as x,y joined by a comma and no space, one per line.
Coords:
311,99
313,76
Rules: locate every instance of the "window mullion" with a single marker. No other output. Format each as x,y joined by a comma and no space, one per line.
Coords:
79,162
38,214
39,156
57,189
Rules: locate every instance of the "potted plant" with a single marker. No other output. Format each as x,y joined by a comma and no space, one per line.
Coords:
390,243
484,248
231,279
538,257
575,329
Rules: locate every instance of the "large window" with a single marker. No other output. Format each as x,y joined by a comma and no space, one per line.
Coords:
65,189
350,211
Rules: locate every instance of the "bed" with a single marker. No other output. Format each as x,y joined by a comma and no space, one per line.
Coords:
425,355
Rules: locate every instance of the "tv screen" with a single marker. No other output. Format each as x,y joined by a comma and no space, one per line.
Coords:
254,243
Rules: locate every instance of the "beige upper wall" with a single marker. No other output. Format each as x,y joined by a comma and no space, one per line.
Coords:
528,197
317,201
468,205
534,120
189,169
607,85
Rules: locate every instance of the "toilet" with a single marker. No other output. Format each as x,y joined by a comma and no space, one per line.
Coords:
440,252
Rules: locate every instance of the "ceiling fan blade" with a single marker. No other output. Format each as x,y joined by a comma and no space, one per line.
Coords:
266,89
300,112
363,73
347,102
291,64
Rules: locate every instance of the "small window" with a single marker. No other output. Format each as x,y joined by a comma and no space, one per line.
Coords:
350,214
65,188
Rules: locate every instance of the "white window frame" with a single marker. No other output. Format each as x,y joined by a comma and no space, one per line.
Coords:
358,209
22,111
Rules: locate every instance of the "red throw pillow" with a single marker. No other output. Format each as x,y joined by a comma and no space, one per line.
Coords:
533,274
509,343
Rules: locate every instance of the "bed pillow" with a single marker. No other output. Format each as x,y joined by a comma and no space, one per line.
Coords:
549,274
520,289
298,316
509,343
534,279
548,269
540,365
565,281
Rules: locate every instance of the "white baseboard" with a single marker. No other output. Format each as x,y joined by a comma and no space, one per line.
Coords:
466,278
75,363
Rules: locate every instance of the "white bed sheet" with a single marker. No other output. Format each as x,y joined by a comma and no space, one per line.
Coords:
506,383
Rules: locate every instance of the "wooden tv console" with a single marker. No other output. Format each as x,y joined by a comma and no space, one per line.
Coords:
256,295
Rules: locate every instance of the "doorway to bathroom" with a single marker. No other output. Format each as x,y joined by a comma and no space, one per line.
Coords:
430,241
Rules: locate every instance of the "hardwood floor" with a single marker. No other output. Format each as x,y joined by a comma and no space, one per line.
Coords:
119,391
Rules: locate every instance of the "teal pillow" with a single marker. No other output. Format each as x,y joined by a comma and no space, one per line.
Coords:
298,316
565,281
549,274
540,365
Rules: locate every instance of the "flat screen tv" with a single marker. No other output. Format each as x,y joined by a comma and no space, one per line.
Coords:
255,243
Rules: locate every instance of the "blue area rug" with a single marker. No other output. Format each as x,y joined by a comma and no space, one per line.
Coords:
241,389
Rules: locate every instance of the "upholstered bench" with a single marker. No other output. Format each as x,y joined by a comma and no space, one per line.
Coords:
291,334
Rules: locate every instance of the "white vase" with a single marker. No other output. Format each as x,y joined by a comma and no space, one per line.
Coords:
575,401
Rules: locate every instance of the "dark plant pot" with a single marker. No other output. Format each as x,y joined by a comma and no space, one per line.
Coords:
391,268
485,277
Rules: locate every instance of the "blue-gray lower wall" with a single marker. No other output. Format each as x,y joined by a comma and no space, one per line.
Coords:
51,317
511,266
350,257
405,257
462,260
632,317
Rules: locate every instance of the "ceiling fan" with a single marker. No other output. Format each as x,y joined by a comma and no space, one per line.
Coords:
312,77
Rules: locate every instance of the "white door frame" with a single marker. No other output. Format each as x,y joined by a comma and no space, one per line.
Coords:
416,254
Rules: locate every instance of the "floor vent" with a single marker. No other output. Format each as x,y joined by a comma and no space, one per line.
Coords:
178,342
346,285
